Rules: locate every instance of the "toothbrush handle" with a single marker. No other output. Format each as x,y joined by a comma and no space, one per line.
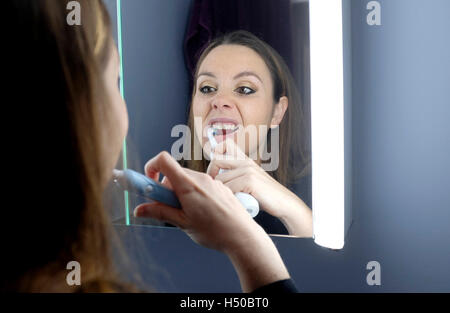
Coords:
248,202
144,186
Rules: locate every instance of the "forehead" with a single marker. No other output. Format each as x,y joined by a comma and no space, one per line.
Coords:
233,59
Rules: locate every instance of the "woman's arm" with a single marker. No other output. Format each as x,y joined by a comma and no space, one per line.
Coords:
281,286
295,214
213,217
257,261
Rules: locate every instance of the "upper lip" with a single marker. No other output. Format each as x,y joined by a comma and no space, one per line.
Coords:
225,120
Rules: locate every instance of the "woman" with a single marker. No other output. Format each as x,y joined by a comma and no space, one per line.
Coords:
240,82
64,82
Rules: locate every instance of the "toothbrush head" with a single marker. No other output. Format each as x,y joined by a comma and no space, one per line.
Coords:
212,141
211,132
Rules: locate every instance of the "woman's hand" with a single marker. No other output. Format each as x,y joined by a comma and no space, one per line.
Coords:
245,175
206,205
213,217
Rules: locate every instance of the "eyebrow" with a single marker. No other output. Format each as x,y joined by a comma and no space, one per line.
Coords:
206,74
247,73
241,74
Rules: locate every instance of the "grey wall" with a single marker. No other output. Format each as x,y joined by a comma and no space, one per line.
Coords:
401,169
152,41
152,35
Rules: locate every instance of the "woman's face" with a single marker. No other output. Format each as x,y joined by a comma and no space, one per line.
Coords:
118,107
234,89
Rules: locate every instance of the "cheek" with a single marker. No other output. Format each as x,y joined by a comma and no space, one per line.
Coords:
119,121
257,114
199,108
198,115
121,113
124,114
254,116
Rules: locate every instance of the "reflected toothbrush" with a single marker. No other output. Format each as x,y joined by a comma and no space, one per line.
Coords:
248,201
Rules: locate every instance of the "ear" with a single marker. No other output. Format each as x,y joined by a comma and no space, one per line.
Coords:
279,111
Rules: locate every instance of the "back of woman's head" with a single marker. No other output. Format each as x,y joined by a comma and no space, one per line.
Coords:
54,144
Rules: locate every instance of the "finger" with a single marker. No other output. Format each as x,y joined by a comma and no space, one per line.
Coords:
231,150
193,173
227,176
238,185
166,182
161,212
164,163
153,175
221,148
215,165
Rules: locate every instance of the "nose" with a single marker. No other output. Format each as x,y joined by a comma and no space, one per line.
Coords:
222,103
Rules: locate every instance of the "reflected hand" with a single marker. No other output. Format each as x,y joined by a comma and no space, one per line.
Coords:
245,175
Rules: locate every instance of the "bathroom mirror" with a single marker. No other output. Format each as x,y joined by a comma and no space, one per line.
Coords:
160,44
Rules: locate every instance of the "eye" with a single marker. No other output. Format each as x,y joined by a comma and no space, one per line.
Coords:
207,89
245,90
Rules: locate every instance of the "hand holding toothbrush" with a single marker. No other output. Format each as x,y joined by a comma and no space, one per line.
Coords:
213,217
248,201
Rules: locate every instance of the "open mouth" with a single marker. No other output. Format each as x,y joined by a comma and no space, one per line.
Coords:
223,129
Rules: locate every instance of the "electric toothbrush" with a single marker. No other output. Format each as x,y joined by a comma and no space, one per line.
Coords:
146,187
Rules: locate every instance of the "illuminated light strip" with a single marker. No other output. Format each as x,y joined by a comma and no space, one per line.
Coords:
327,122
124,149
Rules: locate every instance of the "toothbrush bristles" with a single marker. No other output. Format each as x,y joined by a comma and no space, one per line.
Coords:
215,131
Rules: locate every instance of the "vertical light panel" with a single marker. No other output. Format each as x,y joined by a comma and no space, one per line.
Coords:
124,149
327,122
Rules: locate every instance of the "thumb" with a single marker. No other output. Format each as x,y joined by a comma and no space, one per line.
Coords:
161,212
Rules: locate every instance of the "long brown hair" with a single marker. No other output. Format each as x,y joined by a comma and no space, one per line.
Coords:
294,160
62,117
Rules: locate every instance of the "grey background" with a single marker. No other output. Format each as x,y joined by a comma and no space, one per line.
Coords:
155,78
401,170
155,83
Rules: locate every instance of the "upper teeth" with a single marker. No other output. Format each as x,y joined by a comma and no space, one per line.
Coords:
223,126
